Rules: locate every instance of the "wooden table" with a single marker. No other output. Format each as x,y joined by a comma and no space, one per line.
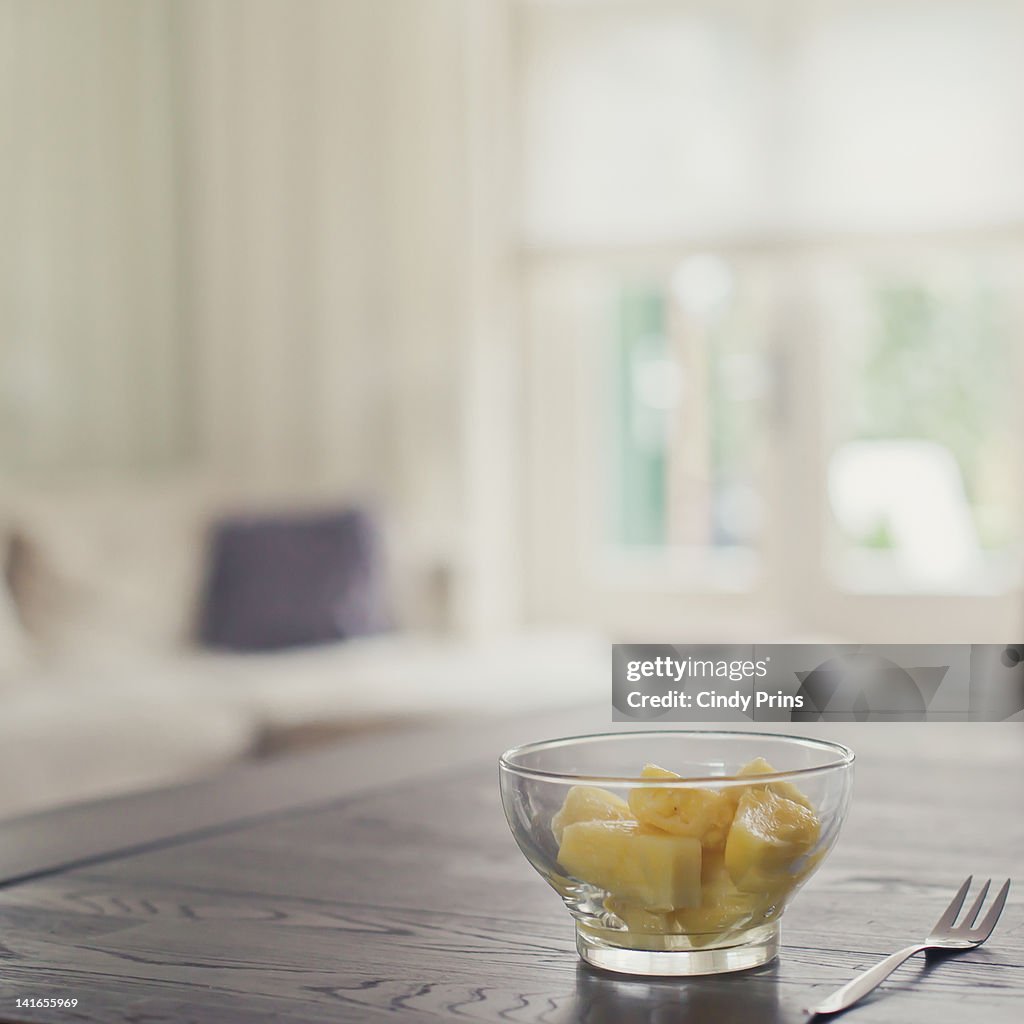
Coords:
378,882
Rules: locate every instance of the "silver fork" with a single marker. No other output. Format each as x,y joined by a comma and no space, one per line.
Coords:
944,936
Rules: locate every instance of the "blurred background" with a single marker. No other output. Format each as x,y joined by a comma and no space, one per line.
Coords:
367,361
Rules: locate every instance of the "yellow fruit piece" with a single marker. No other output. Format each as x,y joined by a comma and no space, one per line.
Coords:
711,869
588,803
704,814
723,908
759,766
641,920
768,837
649,869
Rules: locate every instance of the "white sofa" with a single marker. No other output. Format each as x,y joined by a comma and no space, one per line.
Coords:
102,690
71,733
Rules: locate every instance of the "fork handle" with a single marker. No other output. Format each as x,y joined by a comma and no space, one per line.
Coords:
866,982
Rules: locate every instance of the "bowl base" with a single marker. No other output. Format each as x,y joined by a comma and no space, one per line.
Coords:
756,947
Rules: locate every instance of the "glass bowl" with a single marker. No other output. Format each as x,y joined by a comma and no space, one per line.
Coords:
676,874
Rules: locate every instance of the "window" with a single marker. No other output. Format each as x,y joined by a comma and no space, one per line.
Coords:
921,479
688,378
773,331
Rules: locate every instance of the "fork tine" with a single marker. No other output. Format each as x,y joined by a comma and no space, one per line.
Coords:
984,930
972,914
947,919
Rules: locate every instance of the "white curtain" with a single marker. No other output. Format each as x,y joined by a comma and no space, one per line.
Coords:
92,370
323,188
263,240
343,186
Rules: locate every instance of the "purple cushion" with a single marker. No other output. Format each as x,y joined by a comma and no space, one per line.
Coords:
286,581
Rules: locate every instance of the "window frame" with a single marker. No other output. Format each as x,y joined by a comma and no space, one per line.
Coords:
794,595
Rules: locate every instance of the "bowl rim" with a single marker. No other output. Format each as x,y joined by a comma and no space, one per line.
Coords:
845,759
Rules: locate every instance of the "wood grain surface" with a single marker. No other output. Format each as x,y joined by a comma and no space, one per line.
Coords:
408,900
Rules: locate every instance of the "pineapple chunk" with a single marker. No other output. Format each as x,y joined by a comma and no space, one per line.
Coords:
759,766
649,869
639,919
588,803
703,814
723,907
769,834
